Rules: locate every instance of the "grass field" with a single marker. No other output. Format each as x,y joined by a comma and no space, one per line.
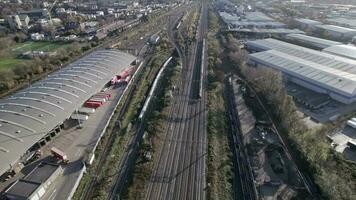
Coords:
11,60
38,46
7,63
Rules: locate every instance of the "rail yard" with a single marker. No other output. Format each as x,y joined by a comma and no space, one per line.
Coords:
128,113
180,170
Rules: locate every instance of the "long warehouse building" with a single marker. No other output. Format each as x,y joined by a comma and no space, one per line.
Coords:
31,114
310,41
318,71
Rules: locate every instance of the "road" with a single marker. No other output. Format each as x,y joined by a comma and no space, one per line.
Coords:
179,170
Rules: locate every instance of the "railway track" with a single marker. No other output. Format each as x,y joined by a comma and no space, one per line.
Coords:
248,190
243,180
89,191
179,172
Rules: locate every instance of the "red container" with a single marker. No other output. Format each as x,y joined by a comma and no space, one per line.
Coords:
95,101
92,104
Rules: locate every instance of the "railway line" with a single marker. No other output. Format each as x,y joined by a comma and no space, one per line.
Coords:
244,175
179,171
243,183
128,157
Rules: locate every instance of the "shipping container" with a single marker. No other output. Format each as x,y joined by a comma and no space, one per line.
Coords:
90,104
101,96
99,99
127,79
86,110
80,117
126,73
108,93
101,103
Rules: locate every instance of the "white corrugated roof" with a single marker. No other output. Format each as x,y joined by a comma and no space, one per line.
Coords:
322,58
318,42
326,77
343,20
266,30
346,51
338,29
257,16
29,114
330,67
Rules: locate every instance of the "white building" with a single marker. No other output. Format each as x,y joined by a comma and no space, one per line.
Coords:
337,32
307,23
14,22
319,71
347,51
315,42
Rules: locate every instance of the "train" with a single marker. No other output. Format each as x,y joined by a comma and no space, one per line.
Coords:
202,71
153,87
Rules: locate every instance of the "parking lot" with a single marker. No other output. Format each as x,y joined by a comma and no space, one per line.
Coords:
317,108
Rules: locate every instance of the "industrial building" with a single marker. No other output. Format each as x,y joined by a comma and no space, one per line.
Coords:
250,20
337,32
346,51
35,184
307,23
30,117
255,24
343,21
309,41
318,71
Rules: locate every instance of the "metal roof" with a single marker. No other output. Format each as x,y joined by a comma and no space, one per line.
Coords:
257,16
258,23
333,79
338,29
308,21
335,66
29,114
343,21
314,41
266,30
346,51
322,58
228,18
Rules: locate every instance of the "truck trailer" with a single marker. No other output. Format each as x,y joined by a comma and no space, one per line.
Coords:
60,155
